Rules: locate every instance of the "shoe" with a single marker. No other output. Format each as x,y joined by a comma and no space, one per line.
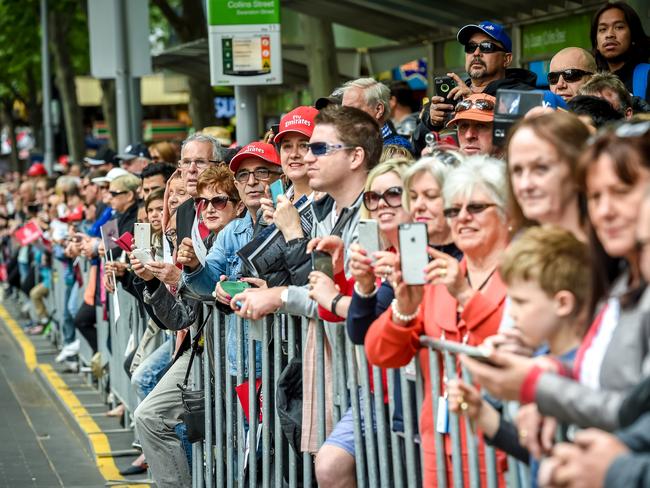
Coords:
71,367
136,445
68,351
134,470
96,365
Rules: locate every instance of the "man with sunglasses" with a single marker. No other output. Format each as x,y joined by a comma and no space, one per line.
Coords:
473,120
488,55
570,68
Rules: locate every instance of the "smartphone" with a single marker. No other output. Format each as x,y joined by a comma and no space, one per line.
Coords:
142,235
143,255
481,354
413,242
276,188
442,85
321,261
234,287
125,241
369,236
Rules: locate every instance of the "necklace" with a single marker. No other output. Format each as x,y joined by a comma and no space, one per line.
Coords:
469,282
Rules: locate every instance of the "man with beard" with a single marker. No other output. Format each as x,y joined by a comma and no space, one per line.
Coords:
488,55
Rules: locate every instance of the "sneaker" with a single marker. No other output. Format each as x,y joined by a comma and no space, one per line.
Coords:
68,351
71,366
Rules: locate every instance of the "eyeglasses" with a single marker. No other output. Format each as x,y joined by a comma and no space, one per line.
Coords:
218,203
392,197
472,208
569,75
484,47
260,174
484,105
117,193
325,148
200,163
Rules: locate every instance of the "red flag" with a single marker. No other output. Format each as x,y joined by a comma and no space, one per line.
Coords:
28,233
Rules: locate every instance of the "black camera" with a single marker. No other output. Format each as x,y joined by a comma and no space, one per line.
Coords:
442,86
512,105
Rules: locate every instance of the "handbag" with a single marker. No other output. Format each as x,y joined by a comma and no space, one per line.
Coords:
193,415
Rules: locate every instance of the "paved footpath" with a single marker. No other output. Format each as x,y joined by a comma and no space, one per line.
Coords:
38,447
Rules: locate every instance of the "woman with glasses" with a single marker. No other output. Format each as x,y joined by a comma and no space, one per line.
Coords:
543,154
462,301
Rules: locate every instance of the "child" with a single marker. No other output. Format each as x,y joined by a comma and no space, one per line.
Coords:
547,274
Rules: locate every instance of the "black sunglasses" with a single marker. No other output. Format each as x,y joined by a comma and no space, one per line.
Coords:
570,75
218,203
484,47
392,197
472,208
117,193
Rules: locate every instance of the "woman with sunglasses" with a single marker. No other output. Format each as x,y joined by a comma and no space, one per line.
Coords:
461,302
543,154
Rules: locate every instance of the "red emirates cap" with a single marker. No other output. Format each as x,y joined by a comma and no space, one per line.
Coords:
259,150
300,120
37,169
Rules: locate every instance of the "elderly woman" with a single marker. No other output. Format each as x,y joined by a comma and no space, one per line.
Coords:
461,301
543,154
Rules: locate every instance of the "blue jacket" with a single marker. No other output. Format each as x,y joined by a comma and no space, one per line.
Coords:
222,259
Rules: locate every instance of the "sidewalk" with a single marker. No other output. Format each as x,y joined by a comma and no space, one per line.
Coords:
53,431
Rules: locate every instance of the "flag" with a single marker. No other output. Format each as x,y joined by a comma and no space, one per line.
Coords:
109,233
28,233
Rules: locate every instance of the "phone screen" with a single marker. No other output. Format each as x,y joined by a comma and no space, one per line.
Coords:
321,261
276,188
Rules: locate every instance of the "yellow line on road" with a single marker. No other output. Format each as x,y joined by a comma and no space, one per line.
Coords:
98,439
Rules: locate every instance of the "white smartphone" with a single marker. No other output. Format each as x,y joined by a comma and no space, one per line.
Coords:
142,235
143,255
413,252
369,236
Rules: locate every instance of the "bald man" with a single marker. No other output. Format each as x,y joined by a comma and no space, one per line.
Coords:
569,70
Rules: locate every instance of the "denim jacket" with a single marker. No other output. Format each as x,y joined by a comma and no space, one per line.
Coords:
222,259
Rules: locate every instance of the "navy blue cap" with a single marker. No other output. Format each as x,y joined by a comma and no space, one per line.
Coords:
492,29
132,151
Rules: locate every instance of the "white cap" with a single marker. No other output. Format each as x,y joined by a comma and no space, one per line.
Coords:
110,176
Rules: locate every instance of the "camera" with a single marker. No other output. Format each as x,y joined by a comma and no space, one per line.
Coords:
442,86
511,105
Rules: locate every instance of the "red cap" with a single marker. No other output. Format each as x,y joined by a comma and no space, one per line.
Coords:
259,150
37,169
300,120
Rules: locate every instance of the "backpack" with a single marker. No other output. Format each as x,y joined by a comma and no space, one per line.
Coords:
640,80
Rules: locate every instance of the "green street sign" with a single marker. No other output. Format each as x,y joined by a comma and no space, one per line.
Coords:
543,40
243,12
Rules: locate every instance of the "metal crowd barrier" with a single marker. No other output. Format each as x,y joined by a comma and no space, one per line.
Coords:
237,452
384,457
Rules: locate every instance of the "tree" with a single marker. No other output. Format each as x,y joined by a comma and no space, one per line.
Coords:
189,23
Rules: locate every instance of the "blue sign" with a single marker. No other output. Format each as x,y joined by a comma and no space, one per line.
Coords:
224,107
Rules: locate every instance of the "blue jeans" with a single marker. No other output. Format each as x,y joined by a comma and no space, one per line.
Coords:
147,374
67,327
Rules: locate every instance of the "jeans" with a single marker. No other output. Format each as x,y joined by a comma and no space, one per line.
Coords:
147,374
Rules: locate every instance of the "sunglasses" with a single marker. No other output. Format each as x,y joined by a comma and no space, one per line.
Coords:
117,193
324,148
484,105
484,47
392,197
569,75
472,208
218,203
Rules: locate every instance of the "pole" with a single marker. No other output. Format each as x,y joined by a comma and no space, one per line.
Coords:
246,113
48,142
122,78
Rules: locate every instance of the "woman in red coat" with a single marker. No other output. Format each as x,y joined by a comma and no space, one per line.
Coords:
461,302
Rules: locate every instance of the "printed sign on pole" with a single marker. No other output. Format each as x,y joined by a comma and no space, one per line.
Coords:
245,42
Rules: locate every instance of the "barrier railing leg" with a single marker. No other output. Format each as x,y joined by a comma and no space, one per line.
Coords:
292,326
382,428
441,463
320,381
307,464
253,414
267,401
207,382
454,429
409,434
280,444
359,447
218,398
241,427
395,442
370,424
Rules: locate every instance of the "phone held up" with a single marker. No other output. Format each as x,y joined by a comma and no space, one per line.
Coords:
322,261
369,237
413,242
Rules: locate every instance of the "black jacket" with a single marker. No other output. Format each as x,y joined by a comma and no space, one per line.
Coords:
516,79
185,215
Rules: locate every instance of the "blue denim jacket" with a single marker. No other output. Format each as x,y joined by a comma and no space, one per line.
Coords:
222,259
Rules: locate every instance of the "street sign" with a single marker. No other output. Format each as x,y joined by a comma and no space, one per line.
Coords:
245,42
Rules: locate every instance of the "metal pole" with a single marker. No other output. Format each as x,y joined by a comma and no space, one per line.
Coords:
48,143
122,78
135,106
246,113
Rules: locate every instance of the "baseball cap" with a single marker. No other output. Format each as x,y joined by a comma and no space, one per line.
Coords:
132,151
110,176
37,169
334,98
259,150
492,29
103,155
300,120
475,113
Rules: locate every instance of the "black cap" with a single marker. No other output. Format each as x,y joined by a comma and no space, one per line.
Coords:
132,151
103,155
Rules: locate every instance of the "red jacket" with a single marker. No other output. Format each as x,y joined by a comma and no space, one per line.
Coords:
392,346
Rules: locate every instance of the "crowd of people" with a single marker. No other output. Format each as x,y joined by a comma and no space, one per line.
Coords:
537,253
